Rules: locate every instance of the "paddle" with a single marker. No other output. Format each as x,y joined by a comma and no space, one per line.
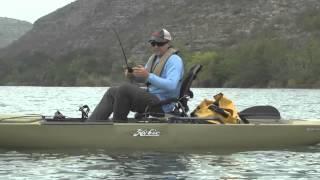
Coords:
259,112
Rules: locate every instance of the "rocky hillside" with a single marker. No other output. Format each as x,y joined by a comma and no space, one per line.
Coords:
11,30
78,40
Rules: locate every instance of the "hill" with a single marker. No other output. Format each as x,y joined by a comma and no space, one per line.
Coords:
75,45
11,30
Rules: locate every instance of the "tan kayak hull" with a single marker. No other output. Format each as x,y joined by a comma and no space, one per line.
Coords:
158,136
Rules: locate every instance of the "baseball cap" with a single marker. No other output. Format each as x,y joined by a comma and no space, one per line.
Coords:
160,36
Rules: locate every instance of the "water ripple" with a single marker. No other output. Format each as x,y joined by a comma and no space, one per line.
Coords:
299,164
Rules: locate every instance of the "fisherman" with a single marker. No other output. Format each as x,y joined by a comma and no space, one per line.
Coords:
162,74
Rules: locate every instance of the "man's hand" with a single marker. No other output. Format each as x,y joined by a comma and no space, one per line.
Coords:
140,71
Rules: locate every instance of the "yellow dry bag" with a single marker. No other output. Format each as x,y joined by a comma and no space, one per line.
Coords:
220,109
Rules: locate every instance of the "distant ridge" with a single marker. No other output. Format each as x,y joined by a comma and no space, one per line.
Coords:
11,30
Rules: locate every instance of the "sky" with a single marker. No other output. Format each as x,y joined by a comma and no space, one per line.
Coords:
29,10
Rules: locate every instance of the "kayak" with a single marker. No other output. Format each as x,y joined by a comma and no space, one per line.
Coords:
35,131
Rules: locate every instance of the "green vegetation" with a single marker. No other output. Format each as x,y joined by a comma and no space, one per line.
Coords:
261,63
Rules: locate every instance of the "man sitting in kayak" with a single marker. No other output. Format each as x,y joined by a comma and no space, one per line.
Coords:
162,74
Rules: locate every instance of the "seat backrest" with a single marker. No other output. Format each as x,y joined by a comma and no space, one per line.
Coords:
185,92
187,81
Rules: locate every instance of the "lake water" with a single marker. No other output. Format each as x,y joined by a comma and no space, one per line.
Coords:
300,163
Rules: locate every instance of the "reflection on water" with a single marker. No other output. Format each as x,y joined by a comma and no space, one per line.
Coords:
302,163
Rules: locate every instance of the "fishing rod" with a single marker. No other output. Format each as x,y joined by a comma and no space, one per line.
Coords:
130,70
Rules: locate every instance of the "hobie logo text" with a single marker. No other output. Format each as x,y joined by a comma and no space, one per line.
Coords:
147,132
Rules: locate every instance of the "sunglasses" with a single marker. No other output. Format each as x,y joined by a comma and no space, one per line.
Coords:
159,44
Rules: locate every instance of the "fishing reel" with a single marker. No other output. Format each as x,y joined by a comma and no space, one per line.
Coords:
130,70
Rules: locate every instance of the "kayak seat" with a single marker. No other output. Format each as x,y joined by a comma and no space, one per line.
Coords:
181,103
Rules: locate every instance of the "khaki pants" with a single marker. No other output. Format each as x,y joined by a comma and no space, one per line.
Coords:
123,99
